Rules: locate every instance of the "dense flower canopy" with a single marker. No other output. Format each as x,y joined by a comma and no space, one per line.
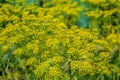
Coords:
44,43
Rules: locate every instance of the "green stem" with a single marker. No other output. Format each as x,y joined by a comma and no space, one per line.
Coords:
114,77
99,76
117,77
103,78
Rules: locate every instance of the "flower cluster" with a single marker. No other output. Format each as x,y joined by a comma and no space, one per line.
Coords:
66,11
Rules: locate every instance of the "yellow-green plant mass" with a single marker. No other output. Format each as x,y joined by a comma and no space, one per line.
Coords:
44,43
104,14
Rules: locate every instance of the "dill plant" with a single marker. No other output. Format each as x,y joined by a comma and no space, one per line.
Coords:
36,45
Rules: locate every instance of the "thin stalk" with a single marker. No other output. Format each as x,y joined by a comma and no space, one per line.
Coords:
114,77
117,77
103,77
99,76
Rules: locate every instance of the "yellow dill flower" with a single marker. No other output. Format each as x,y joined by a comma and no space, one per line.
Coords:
57,59
15,75
31,61
101,42
13,18
18,52
91,46
95,13
5,47
70,51
97,2
109,12
44,55
25,13
41,69
75,64
49,42
54,72
12,40
3,39
105,55
112,1
101,67
86,68
36,49
113,38
105,70
29,46
33,46
83,67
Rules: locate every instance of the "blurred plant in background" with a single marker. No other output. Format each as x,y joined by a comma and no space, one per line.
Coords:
44,43
104,15
66,10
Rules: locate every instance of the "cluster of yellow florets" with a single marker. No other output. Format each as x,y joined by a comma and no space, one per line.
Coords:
41,69
31,61
66,11
54,72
